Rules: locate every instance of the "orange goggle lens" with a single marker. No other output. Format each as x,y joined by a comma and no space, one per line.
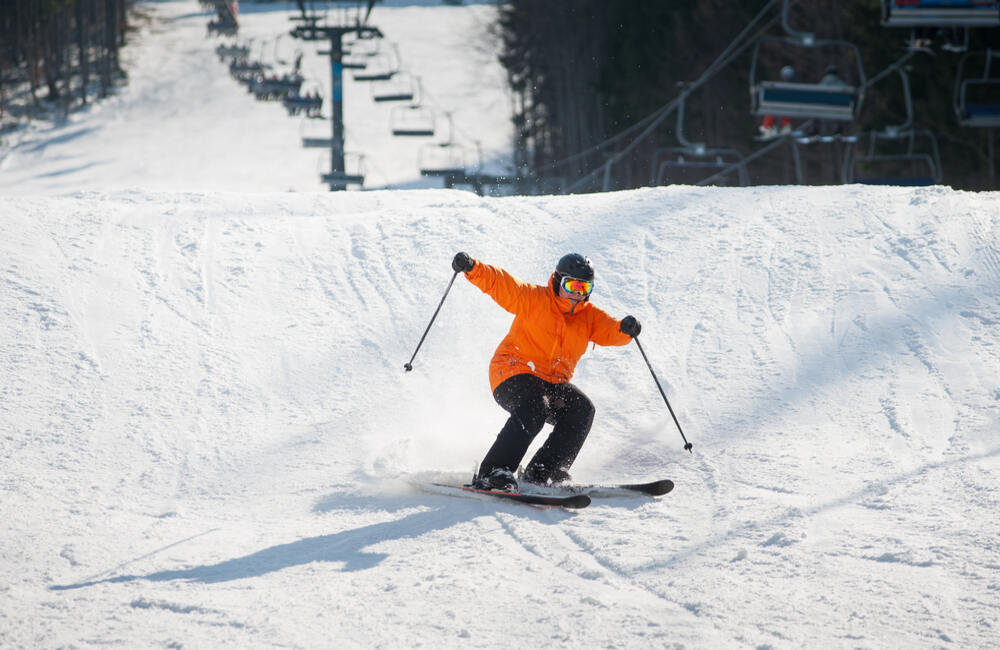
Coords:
578,287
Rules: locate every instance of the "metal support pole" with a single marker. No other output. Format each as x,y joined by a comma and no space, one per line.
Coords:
337,89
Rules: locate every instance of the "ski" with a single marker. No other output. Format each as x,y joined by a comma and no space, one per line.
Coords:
652,489
549,500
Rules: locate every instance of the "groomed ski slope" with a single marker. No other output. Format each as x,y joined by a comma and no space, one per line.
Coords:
208,438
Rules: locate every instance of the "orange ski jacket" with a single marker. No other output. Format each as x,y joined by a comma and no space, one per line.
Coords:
548,336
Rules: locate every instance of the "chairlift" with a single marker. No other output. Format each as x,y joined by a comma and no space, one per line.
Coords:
381,66
447,159
827,98
315,134
826,95
245,71
691,162
363,46
683,166
309,101
271,88
401,87
940,13
352,174
353,58
223,28
909,157
442,159
360,52
897,155
977,98
232,52
413,120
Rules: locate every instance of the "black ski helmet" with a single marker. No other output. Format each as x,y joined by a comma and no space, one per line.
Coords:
573,265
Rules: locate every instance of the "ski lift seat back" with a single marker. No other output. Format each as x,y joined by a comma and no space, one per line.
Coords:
908,157
940,13
442,159
977,98
414,120
791,99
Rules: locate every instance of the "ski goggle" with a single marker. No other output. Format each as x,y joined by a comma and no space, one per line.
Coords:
576,286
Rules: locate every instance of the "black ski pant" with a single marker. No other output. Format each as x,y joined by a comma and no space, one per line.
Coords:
531,402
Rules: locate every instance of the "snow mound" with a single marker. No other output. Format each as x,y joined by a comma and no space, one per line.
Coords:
209,437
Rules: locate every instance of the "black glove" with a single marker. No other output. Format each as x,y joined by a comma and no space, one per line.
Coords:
630,326
463,263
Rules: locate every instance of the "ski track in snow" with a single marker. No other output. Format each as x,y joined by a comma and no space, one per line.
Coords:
208,438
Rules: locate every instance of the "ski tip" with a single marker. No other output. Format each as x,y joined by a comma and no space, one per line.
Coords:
578,501
659,488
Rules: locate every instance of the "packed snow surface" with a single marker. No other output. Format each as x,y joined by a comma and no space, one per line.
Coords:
207,437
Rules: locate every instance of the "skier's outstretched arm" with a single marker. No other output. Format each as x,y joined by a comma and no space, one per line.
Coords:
505,289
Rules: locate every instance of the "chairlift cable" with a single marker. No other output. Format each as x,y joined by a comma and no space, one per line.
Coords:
659,114
720,62
892,68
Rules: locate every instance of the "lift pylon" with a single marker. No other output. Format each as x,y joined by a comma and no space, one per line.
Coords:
338,178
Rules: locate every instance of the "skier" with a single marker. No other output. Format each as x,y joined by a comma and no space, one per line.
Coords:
767,128
531,369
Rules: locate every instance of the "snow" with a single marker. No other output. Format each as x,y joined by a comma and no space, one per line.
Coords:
207,437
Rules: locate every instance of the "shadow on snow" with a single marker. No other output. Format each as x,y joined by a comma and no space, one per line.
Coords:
346,547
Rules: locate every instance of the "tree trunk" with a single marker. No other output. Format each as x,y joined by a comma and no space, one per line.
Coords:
81,31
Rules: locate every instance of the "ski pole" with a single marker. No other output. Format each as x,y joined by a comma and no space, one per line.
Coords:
687,445
409,366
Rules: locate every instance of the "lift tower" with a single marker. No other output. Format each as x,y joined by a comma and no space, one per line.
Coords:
311,30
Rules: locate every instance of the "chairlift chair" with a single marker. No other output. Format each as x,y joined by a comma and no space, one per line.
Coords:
687,166
413,120
401,87
276,88
360,51
353,59
813,100
442,159
353,173
381,66
908,157
447,159
822,98
315,134
940,13
691,162
308,100
977,98
245,71
223,28
232,51
364,45
896,155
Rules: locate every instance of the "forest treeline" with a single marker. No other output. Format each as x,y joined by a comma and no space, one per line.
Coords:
59,51
585,71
